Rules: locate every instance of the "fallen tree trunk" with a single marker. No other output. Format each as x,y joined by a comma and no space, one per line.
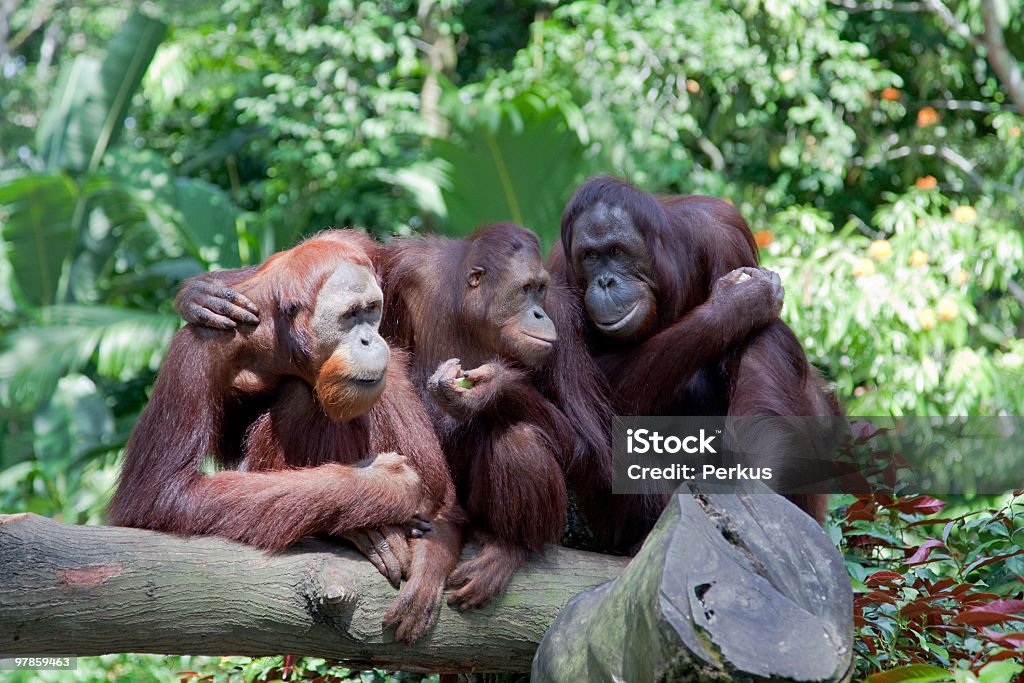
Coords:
78,590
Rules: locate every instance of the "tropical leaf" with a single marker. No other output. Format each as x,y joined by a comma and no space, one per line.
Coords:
92,97
76,421
207,221
184,214
915,673
36,213
120,342
515,162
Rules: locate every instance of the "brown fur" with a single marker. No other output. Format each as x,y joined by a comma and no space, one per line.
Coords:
683,366
508,453
298,471
565,419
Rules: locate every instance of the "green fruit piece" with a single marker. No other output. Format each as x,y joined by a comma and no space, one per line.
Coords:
464,382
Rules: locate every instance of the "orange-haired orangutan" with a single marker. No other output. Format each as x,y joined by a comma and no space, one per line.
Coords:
317,421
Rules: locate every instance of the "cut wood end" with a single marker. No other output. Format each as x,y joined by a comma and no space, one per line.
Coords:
17,517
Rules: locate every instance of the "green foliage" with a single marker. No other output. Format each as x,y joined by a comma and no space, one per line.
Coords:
134,668
89,105
92,251
37,232
876,152
513,161
936,597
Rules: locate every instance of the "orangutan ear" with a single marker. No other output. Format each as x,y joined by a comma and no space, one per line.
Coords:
475,275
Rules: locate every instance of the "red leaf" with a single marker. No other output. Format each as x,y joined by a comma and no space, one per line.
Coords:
863,430
978,599
981,618
860,510
920,504
878,596
923,551
1010,640
1000,656
1007,606
919,607
993,613
929,505
962,588
884,578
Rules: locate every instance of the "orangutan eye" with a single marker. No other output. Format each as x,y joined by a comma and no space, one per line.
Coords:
590,255
542,289
615,252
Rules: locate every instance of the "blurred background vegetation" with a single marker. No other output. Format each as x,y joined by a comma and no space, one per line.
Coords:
874,146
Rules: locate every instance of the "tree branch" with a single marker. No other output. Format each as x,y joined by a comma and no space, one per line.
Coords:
955,25
887,5
992,42
999,56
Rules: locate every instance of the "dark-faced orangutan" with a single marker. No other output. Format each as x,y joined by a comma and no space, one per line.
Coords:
479,304
665,323
316,419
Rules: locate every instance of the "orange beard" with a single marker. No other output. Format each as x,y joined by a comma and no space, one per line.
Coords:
341,398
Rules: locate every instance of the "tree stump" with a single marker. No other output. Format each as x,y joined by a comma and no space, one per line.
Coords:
727,587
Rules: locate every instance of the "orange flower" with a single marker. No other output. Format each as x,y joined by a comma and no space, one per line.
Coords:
890,94
918,258
880,249
962,277
964,213
926,183
863,267
947,308
927,117
926,318
1014,131
764,238
692,86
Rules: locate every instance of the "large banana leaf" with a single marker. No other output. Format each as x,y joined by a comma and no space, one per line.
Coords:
186,212
119,343
36,227
208,222
89,106
518,163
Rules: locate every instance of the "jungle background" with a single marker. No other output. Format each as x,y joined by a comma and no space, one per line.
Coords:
875,147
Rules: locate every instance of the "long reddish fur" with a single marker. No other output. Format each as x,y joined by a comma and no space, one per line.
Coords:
295,473
507,460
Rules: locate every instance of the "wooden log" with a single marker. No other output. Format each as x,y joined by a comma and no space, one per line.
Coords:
727,587
89,590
